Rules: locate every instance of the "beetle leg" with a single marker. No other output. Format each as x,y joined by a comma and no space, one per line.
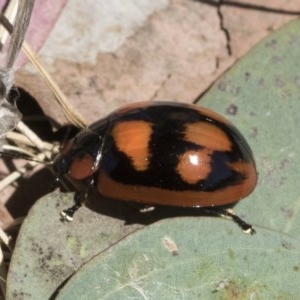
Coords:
79,199
225,213
67,214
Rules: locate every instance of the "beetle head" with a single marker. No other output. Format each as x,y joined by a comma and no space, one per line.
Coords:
81,156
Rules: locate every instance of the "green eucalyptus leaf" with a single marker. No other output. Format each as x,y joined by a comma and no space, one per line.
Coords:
213,260
48,251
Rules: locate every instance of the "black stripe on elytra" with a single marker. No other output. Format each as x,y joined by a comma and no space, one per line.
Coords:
166,145
180,114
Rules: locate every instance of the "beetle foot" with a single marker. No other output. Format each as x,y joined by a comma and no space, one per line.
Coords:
80,197
67,214
228,214
247,228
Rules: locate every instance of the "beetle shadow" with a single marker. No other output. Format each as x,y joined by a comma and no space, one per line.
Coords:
137,213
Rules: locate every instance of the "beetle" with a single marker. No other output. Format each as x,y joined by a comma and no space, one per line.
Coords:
161,153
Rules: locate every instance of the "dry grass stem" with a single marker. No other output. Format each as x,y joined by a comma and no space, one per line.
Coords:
71,114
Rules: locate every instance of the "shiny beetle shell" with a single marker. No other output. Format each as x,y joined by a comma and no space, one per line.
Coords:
163,153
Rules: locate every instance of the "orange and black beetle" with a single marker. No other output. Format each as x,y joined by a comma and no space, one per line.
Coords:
162,153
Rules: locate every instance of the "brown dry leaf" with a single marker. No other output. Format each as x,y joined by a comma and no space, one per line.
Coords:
168,54
105,55
247,22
